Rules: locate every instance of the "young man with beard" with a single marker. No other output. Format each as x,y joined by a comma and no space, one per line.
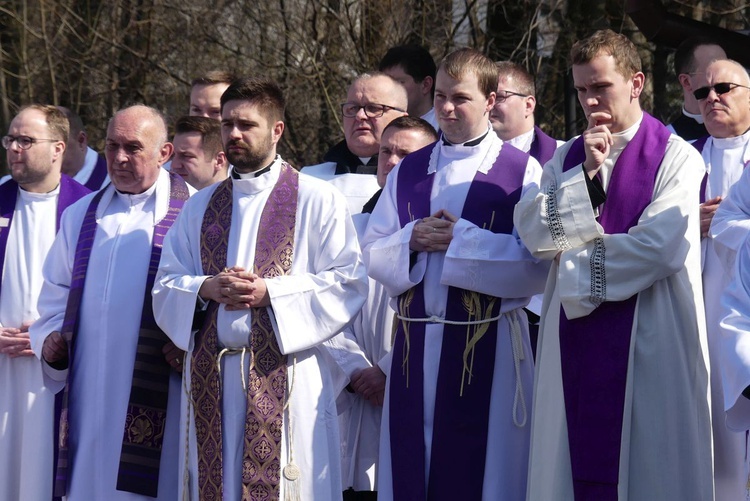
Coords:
272,257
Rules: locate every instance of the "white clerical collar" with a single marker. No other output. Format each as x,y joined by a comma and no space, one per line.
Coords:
136,198
475,141
488,149
730,143
522,141
698,118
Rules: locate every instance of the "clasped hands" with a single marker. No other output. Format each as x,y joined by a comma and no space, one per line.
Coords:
14,342
236,288
434,233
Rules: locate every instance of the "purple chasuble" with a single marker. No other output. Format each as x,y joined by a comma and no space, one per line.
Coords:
542,147
70,191
459,439
147,405
595,349
98,174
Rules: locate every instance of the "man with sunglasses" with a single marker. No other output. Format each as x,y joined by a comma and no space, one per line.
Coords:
621,390
690,60
723,94
30,207
373,100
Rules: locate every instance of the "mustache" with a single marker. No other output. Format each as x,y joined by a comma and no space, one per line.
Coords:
236,142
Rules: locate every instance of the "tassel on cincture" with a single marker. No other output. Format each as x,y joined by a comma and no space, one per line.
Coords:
291,483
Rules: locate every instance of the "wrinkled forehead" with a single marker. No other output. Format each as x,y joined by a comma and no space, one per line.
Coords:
725,71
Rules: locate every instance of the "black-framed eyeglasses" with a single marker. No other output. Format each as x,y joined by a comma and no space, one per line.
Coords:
372,110
25,142
500,97
720,88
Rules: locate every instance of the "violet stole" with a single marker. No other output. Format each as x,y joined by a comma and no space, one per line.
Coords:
594,349
461,422
267,380
145,481
542,147
98,174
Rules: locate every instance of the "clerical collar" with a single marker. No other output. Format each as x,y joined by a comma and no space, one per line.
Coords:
472,142
250,175
697,117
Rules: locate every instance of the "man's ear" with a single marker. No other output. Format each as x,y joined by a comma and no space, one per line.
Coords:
426,85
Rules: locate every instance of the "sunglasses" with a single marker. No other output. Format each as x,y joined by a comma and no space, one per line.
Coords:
719,88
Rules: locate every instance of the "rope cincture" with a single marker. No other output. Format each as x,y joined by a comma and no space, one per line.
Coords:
519,401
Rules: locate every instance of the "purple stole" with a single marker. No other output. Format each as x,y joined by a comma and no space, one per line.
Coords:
542,147
98,174
147,405
459,440
267,379
595,349
70,191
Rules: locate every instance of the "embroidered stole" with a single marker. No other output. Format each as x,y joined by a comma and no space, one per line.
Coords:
595,349
70,191
542,147
147,405
267,379
459,439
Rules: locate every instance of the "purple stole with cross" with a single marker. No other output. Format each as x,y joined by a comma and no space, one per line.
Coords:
147,405
595,349
267,378
542,147
70,191
459,439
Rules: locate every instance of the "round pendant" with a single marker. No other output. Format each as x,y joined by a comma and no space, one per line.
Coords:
291,472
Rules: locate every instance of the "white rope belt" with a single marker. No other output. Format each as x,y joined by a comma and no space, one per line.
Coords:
234,351
434,319
516,340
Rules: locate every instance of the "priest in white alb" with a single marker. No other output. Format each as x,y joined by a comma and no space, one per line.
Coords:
30,207
258,271
441,241
621,391
96,334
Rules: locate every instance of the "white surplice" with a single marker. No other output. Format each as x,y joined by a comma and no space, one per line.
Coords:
499,265
365,343
666,448
724,164
26,405
107,337
324,290
357,188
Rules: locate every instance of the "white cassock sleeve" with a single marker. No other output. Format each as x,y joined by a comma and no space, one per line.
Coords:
731,223
324,290
53,299
559,217
497,264
735,342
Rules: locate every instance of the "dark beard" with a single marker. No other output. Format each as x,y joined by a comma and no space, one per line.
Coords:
248,160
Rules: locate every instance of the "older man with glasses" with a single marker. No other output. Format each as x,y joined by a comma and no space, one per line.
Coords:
30,207
690,60
723,94
372,102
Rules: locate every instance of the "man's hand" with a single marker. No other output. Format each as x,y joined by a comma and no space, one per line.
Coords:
237,289
55,348
434,233
173,355
15,342
597,140
370,383
707,211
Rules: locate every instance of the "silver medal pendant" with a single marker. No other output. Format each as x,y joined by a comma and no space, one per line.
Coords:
291,472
